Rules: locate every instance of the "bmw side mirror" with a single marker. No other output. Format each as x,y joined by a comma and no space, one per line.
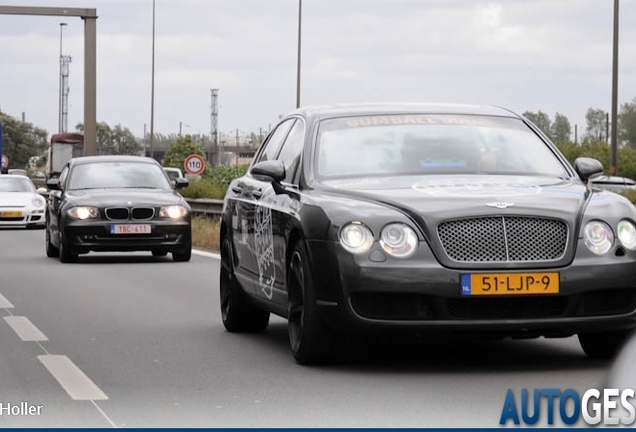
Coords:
53,184
42,191
271,169
181,182
587,167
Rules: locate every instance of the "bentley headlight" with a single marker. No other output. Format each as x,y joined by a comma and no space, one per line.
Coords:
83,213
598,237
37,202
173,211
356,238
626,232
398,240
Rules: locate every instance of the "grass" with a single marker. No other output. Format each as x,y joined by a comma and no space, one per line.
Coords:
206,232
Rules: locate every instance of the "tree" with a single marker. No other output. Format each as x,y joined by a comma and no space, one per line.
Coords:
596,120
183,147
627,124
22,141
561,129
541,120
118,140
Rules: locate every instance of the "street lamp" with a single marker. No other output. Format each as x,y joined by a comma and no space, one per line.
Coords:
614,144
59,104
300,11
152,88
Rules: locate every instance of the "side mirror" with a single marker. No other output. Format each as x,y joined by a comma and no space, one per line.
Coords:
53,184
587,167
272,169
42,191
181,183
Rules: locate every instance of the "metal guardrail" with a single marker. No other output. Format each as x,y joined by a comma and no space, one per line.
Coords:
206,206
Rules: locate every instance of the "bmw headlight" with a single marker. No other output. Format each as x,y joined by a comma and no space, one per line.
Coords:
398,240
626,232
37,202
173,211
356,238
598,237
83,213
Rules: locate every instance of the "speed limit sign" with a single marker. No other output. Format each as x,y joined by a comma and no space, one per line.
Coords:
194,164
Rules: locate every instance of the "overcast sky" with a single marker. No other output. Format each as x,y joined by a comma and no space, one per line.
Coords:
550,55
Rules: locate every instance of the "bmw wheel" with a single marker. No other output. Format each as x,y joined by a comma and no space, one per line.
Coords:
66,254
51,251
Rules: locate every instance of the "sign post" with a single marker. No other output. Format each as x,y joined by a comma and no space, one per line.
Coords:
194,164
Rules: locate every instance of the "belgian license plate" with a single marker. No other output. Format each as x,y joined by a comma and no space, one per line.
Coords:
131,229
11,213
509,283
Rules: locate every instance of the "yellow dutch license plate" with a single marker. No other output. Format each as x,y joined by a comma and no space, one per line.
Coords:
473,284
11,213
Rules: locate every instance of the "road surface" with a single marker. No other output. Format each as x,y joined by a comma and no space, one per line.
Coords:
127,340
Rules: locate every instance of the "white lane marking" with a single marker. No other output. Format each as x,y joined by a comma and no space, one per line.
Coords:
101,411
206,254
71,378
24,328
4,303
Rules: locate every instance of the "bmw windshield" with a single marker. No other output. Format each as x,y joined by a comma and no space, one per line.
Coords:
111,175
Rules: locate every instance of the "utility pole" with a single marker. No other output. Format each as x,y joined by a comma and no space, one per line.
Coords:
614,149
576,134
59,102
237,137
66,60
152,88
214,125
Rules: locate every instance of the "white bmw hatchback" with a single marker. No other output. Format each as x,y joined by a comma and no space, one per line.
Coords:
20,203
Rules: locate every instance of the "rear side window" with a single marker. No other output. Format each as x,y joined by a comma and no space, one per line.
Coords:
292,149
272,145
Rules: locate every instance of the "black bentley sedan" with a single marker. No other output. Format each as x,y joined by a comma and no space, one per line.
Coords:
116,204
430,219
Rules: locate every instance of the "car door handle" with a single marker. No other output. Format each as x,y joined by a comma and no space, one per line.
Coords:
257,193
236,189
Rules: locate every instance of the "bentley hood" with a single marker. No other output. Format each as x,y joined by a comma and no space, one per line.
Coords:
444,197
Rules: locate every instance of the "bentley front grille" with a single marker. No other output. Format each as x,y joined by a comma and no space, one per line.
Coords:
504,239
117,213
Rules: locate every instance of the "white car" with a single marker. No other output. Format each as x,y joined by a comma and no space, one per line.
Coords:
173,173
20,203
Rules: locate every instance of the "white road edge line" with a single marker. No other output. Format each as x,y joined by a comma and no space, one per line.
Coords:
25,329
4,303
101,411
71,378
206,254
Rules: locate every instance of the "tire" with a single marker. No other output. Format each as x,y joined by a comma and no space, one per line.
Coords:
310,340
238,315
603,346
51,251
182,256
66,255
158,253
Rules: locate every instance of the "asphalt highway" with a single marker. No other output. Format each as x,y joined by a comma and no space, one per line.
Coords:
127,340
